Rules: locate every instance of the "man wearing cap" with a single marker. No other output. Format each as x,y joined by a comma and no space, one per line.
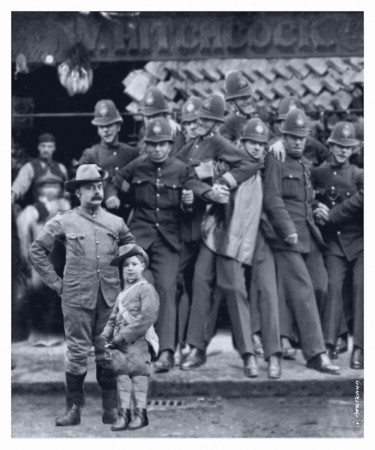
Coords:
110,154
156,181
238,95
89,288
296,240
216,167
43,165
339,191
314,150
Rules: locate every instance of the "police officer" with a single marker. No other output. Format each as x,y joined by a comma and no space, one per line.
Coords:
238,95
156,181
314,150
288,194
41,166
89,288
110,154
339,187
154,106
216,168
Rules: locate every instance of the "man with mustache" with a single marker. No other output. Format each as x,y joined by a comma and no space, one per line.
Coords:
89,288
296,240
39,167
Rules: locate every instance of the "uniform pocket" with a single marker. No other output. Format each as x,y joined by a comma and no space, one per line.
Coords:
75,243
292,185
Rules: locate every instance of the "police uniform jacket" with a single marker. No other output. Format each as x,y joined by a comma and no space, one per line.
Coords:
156,197
341,189
230,165
287,200
135,311
109,157
91,241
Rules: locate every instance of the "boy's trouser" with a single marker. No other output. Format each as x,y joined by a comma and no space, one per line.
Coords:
126,384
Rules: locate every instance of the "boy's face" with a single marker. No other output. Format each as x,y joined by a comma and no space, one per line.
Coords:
132,269
159,151
341,154
109,133
255,149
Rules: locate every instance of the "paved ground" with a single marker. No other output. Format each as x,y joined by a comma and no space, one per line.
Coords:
42,369
33,417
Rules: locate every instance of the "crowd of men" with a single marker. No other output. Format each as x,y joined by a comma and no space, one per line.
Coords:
271,220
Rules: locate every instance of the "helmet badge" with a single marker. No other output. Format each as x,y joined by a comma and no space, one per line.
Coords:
157,128
299,122
346,131
149,100
190,107
103,110
259,129
243,82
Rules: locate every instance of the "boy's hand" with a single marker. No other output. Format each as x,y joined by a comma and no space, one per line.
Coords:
113,202
187,197
278,150
292,239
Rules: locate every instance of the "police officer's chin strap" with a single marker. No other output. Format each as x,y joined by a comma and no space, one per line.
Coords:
247,116
211,130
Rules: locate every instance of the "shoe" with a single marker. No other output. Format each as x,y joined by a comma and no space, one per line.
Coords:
70,418
165,362
122,421
194,359
341,345
139,419
287,350
356,359
250,365
322,363
274,366
258,346
331,350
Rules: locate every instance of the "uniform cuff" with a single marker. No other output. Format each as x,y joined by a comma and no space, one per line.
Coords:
229,178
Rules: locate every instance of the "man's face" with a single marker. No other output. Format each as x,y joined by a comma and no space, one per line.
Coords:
255,149
341,154
46,150
159,151
50,191
190,129
294,145
109,133
205,126
245,105
132,269
91,194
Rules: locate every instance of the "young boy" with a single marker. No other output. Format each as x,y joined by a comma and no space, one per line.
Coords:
130,335
339,189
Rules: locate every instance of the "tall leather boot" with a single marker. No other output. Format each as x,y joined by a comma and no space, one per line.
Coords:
107,381
74,400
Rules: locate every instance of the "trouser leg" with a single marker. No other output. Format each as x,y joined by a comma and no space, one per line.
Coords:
203,281
231,280
164,266
358,295
140,389
318,274
299,292
264,284
337,268
124,391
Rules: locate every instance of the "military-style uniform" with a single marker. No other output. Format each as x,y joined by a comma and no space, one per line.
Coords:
90,285
156,190
288,194
341,189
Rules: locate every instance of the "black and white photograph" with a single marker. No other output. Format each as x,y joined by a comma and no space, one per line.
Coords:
186,227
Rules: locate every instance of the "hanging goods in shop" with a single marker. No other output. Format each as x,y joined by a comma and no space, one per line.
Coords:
75,73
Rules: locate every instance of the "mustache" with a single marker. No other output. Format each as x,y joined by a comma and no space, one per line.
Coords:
97,197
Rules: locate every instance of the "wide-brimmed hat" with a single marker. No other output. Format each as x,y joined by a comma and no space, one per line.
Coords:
128,250
86,173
